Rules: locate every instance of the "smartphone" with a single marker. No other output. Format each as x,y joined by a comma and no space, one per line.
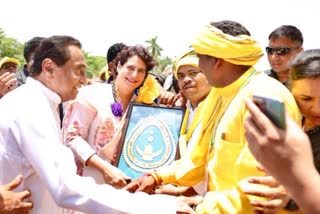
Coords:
273,108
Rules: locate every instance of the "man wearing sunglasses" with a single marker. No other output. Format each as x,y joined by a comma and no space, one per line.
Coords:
285,43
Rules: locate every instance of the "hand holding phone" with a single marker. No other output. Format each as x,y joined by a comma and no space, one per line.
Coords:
273,108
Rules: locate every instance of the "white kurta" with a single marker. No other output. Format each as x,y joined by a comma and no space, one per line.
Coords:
31,145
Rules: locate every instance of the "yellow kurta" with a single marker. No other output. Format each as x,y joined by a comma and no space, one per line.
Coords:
231,159
191,168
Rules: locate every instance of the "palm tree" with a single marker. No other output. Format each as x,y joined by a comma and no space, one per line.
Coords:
154,48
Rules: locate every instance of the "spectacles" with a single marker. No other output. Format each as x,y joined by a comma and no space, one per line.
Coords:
283,51
9,66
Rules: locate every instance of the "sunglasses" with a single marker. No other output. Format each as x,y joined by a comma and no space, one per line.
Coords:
9,66
279,51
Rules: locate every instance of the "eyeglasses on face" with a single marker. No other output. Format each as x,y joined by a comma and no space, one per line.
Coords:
282,51
9,66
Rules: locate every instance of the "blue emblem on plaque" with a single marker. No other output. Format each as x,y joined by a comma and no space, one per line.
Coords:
150,141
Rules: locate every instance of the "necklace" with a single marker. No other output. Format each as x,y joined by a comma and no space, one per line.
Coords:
115,92
116,107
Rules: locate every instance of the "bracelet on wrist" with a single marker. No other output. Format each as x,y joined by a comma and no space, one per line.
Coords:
155,182
155,177
158,179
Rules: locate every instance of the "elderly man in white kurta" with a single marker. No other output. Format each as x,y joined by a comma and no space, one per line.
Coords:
31,142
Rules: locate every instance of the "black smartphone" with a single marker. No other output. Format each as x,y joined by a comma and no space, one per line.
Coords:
273,108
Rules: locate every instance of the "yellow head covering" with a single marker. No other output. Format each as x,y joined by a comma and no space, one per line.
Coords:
104,73
203,110
240,50
9,59
188,58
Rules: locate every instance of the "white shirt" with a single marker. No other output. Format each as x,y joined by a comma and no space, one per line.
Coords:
194,137
31,145
201,187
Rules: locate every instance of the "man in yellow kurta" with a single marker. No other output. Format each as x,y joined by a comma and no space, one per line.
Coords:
226,57
195,87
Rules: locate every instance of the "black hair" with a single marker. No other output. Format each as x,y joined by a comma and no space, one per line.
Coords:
139,51
55,48
288,31
114,50
31,46
231,27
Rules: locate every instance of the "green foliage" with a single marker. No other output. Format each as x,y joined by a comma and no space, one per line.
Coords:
163,62
10,47
95,64
155,50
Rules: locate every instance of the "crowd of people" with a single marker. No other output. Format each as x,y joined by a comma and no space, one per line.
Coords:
58,154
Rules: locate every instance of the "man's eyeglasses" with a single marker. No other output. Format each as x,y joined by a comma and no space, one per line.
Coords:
9,66
279,51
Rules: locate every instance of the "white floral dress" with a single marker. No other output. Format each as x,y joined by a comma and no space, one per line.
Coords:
89,125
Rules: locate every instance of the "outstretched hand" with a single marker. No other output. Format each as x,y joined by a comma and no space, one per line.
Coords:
115,176
143,184
13,202
273,196
186,204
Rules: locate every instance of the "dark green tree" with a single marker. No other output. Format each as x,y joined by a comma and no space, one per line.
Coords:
95,64
154,48
10,47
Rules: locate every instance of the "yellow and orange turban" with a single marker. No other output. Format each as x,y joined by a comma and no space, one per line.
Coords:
239,50
188,58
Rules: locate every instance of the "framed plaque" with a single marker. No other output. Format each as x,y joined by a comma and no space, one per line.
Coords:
149,138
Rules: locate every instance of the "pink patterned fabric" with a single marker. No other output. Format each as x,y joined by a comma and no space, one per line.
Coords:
90,118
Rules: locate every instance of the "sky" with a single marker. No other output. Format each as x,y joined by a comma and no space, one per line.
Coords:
100,23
